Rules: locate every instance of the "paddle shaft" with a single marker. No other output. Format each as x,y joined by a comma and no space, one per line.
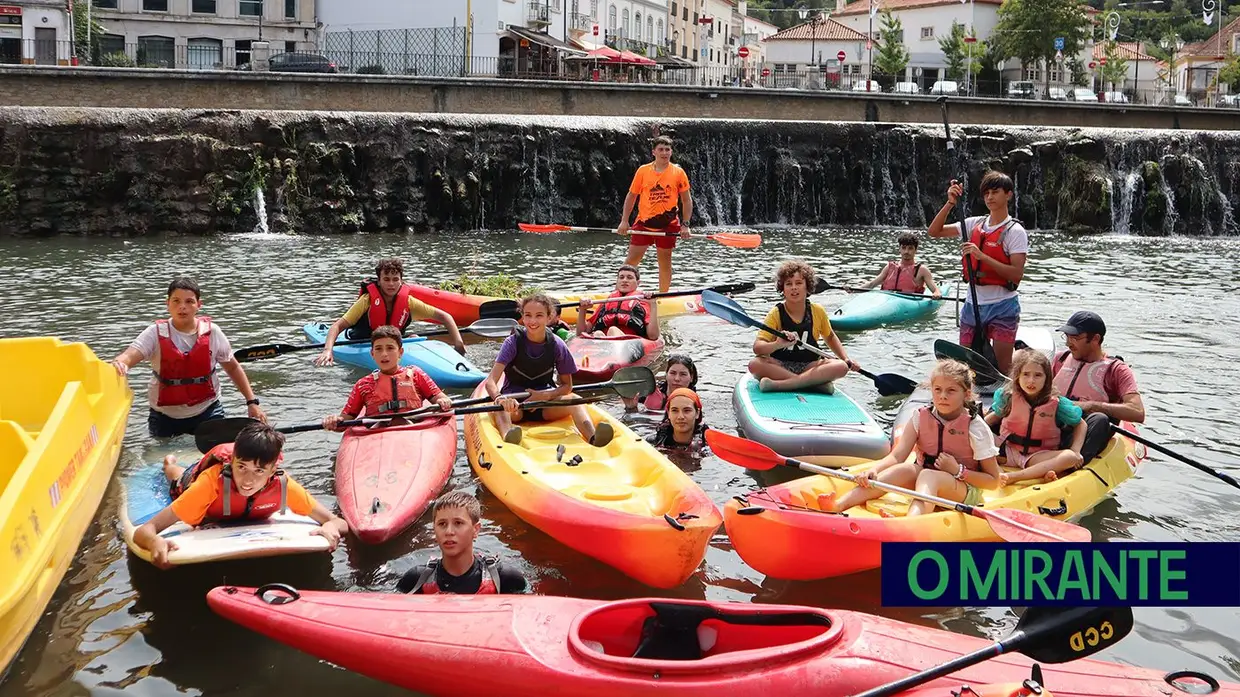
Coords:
272,350
969,659
724,288
979,335
1186,460
902,294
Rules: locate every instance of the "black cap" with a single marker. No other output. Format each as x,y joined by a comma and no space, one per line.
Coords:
1084,322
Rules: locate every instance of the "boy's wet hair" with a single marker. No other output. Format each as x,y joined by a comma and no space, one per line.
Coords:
908,239
792,267
185,283
458,499
390,264
661,140
387,331
629,267
259,442
996,180
540,298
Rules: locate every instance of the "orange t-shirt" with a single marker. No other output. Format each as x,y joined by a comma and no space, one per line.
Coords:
192,505
658,194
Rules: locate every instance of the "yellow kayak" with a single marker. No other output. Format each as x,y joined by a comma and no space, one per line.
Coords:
626,504
62,417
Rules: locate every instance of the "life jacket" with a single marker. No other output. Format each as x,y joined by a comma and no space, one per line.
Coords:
905,283
230,504
804,330
490,577
631,316
528,372
935,436
184,378
991,244
1031,428
393,393
379,313
1068,372
657,400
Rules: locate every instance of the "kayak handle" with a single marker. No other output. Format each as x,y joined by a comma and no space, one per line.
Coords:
1210,687
673,522
1063,508
291,594
750,510
461,367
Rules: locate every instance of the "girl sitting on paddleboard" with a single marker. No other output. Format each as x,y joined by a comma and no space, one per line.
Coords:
1031,416
956,453
680,372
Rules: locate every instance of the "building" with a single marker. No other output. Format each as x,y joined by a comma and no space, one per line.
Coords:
754,33
806,55
1198,64
639,26
35,32
1140,70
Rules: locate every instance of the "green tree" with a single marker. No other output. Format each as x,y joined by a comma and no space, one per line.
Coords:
1075,68
954,52
1027,30
1115,72
893,55
87,51
1230,73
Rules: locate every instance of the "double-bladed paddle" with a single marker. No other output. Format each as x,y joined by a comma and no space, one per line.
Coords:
1046,634
978,363
979,333
739,240
725,308
504,307
1008,523
491,328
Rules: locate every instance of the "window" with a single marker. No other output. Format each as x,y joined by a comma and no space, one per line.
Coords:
250,8
650,29
205,7
156,51
104,4
155,5
204,54
695,18
611,17
243,51
659,36
290,9
685,17
1057,75
625,28
927,33
594,8
1033,74
675,9
637,28
290,46
111,43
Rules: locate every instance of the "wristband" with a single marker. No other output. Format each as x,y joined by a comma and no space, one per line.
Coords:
960,473
254,401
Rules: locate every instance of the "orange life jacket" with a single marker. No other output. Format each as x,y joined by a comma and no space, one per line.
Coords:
490,577
230,504
184,378
379,313
935,436
1031,428
393,393
631,316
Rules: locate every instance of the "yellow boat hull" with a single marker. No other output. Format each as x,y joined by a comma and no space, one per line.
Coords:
62,418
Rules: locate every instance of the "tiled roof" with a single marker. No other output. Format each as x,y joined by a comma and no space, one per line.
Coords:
1210,47
1125,49
861,7
830,30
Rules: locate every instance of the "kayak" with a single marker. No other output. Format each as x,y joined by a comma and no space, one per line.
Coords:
386,477
599,357
626,504
464,307
532,644
144,493
440,361
63,417
878,307
828,430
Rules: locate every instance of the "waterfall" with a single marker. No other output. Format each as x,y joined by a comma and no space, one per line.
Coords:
1121,214
260,210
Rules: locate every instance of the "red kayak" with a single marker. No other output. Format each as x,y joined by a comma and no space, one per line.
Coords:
599,357
386,477
529,644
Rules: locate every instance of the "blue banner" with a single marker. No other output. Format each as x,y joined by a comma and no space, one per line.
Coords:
1158,574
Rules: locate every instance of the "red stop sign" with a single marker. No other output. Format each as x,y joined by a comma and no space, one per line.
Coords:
1103,61
841,55
743,51
766,72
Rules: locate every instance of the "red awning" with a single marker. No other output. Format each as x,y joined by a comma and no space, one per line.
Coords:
630,57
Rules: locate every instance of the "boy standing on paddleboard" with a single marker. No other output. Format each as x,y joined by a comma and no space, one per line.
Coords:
459,569
661,191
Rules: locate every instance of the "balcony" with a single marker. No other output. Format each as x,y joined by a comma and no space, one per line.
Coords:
538,14
580,22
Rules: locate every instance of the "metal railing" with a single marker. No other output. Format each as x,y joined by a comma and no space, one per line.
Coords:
581,22
538,11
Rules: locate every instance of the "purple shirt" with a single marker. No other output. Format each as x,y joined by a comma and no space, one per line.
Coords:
564,363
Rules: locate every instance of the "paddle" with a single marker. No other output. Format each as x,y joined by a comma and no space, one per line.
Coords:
725,308
1046,634
740,240
1187,460
1008,523
504,307
979,334
492,328
631,382
849,289
984,368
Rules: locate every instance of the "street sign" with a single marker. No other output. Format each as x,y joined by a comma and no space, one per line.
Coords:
766,72
1092,65
743,51
1103,60
595,29
869,44
1059,56
841,55
1058,43
970,39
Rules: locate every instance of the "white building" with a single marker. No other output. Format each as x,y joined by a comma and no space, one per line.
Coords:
639,26
1198,64
806,55
35,32
753,34
203,33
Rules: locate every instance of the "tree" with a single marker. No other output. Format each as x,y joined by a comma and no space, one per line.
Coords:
1229,74
1027,30
1116,68
954,52
893,55
87,51
1075,68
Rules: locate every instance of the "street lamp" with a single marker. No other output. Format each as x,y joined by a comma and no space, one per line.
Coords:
1136,78
1173,44
813,33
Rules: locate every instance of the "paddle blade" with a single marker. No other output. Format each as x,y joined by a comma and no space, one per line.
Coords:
820,285
984,369
726,308
211,433
734,288
1050,634
255,353
890,384
633,383
499,309
528,227
1023,526
743,452
737,239
493,327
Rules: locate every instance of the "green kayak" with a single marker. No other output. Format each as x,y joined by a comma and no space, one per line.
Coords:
878,307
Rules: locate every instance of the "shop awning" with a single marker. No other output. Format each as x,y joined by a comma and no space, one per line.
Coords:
543,40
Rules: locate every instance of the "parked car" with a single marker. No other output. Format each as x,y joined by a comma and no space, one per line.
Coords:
906,88
1229,100
1180,100
297,62
945,87
1021,89
1115,97
1082,94
867,86
1057,94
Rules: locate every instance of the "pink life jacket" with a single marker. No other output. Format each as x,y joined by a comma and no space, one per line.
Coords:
1068,372
904,282
935,436
1031,428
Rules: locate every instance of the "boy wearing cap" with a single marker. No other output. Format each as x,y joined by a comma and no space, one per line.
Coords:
1103,386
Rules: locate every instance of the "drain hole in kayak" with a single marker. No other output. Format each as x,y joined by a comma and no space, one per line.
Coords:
1192,682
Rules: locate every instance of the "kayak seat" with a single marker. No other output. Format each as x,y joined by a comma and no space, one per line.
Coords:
693,632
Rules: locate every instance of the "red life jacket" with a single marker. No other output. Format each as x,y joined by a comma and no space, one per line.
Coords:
393,393
379,313
184,378
490,577
1031,428
935,436
991,244
1068,372
905,283
630,316
230,504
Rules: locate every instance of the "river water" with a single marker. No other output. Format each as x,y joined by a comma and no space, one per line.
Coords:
119,626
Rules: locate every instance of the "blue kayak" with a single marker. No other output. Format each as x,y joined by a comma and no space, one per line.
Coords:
443,364
878,307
